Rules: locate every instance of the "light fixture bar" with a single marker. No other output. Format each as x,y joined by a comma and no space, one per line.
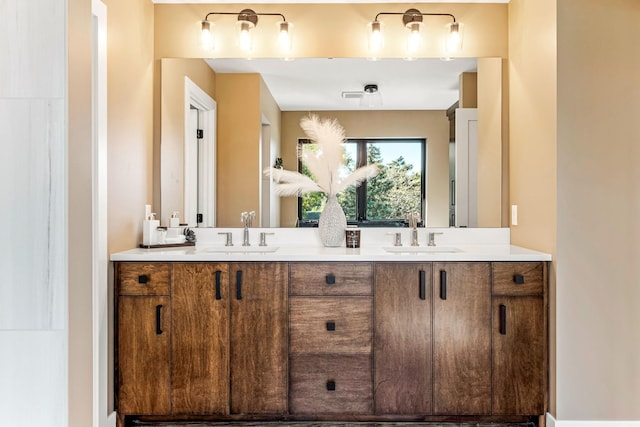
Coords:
412,20
414,13
246,21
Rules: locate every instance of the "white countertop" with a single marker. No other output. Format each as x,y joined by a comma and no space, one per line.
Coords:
376,244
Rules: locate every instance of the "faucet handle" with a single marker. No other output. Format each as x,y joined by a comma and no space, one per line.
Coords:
263,238
432,238
229,238
397,238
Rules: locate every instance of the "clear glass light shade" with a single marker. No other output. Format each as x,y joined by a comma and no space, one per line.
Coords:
285,36
454,37
371,97
414,38
245,39
206,36
376,38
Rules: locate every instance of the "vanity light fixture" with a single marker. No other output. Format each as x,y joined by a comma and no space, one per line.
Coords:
412,20
247,20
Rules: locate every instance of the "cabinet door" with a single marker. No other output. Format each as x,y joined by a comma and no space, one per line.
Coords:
402,307
518,355
258,338
144,327
461,338
200,341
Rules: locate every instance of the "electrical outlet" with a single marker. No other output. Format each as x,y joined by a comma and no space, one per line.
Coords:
514,214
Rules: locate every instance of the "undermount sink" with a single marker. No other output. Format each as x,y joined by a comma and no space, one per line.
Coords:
240,249
421,249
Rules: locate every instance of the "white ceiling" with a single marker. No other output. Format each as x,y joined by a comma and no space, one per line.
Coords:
321,1
317,83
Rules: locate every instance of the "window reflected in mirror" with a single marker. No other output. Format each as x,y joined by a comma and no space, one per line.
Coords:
386,199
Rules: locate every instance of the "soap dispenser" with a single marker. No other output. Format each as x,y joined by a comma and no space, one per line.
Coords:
150,230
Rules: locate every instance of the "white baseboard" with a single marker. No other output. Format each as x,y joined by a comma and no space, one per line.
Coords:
552,422
111,419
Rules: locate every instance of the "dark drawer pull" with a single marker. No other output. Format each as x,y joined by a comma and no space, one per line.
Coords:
143,279
443,285
503,319
331,385
159,319
218,293
331,326
518,279
423,286
330,279
239,284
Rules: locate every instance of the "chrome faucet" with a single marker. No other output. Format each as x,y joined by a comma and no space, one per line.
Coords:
413,219
247,219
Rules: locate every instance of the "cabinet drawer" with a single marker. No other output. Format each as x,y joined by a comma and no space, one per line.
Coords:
330,384
518,278
319,278
330,325
143,278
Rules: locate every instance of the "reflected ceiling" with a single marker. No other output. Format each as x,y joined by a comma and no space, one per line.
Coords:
317,84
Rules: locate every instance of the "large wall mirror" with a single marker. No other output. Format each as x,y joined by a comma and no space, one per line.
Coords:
259,103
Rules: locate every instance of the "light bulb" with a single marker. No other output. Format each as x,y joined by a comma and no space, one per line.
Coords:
414,39
206,36
285,36
454,38
244,36
376,40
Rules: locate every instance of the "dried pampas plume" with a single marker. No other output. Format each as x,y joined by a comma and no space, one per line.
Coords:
327,163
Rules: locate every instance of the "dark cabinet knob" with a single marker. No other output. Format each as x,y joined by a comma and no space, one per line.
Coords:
518,279
143,279
331,326
330,279
331,385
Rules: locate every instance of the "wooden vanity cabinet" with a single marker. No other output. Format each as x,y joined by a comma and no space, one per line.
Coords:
461,338
200,338
402,309
189,343
330,342
519,338
143,338
258,338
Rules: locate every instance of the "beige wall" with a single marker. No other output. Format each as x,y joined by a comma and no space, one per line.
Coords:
532,134
598,286
490,108
170,139
130,118
239,126
331,30
432,125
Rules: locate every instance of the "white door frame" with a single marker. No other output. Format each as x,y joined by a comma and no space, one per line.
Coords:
102,415
206,181
466,191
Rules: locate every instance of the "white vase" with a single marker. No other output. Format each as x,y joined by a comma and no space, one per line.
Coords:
332,223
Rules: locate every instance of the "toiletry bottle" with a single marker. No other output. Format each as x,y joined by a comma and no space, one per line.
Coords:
174,221
150,230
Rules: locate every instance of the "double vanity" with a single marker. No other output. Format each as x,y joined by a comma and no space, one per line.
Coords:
297,331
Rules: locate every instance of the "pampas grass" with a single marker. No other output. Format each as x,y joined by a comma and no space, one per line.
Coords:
326,164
